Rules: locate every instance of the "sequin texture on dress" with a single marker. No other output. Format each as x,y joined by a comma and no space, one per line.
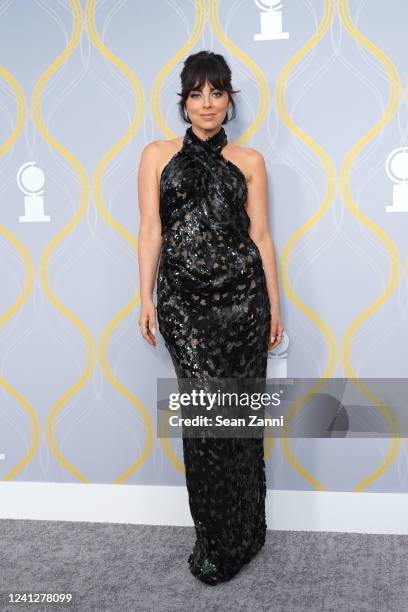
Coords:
213,312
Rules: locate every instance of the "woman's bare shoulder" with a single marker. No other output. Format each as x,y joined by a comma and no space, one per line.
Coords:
254,155
159,152
161,146
246,153
243,157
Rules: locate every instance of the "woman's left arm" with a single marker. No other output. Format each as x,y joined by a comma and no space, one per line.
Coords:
258,209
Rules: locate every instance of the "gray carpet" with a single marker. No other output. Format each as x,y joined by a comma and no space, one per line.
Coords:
115,567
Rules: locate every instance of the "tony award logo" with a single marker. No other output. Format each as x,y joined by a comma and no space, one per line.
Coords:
271,20
30,180
397,170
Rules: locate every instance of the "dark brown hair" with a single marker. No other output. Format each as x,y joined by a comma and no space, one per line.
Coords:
199,68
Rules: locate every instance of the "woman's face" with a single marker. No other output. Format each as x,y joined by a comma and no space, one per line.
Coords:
207,108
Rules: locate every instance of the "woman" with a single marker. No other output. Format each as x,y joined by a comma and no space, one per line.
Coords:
217,300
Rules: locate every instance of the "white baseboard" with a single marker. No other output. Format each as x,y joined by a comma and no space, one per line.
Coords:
383,513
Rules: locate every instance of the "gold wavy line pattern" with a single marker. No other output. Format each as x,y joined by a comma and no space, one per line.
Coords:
28,281
345,171
48,252
329,169
149,441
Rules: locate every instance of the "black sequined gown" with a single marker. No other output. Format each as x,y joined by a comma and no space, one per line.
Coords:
213,312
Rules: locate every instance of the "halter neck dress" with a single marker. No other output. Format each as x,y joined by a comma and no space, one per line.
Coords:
213,312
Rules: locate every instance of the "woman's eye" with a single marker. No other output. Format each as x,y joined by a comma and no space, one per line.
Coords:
216,93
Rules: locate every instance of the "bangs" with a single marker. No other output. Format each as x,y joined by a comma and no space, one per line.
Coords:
207,71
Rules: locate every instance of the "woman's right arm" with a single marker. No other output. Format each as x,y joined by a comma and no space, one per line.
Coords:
149,239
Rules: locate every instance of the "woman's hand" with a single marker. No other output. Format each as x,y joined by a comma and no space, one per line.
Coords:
276,330
147,321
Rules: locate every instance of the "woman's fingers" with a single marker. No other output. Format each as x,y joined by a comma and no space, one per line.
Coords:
147,326
275,335
146,333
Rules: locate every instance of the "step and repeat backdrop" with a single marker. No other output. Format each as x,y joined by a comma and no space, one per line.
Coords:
84,86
